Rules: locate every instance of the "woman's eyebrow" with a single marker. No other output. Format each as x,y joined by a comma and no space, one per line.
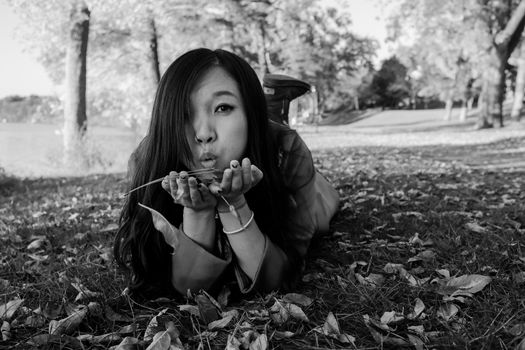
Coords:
223,93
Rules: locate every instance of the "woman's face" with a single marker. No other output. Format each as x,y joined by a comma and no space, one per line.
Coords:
217,130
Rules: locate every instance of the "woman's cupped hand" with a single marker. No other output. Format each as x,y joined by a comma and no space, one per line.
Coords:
238,179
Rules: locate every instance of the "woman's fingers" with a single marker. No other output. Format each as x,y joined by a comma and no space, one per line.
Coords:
172,183
257,175
246,175
195,195
237,178
226,183
183,194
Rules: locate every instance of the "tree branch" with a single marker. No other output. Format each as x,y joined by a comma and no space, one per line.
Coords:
509,36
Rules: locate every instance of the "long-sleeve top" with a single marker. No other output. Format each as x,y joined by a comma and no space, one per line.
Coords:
313,202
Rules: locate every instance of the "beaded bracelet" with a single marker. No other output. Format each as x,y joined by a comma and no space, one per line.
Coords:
243,227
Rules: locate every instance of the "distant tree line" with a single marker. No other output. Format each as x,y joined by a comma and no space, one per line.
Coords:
31,109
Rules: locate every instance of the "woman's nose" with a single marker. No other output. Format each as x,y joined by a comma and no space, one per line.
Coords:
204,132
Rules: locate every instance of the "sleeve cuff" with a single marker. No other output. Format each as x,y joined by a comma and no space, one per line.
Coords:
193,267
270,273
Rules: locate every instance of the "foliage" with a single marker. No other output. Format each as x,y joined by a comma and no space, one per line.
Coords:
425,250
308,40
33,109
390,84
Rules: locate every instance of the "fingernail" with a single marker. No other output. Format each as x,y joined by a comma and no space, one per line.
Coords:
234,164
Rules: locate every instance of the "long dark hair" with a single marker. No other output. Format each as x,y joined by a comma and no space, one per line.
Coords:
139,248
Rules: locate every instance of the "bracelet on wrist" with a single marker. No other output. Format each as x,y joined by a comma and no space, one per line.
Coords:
243,227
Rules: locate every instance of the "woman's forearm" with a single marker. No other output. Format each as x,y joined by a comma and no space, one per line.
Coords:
200,227
248,244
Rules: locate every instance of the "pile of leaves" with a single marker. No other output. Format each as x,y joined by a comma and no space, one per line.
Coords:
424,253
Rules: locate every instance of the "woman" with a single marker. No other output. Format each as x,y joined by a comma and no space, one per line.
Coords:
252,224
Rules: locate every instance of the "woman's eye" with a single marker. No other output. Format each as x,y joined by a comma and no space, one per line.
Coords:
223,108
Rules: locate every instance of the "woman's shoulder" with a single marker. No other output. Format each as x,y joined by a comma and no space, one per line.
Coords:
295,159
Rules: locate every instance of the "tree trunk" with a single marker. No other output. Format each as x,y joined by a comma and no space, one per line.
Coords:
494,82
262,55
463,111
356,102
448,106
75,119
517,104
154,50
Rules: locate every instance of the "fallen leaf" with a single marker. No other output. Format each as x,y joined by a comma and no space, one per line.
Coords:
153,326
52,341
373,280
161,341
127,343
110,227
427,255
261,343
282,335
393,268
5,329
131,328
8,310
418,310
83,292
192,309
69,324
296,312
469,284
232,343
108,338
207,310
416,214
380,338
447,311
38,244
475,227
517,330
417,329
331,329
220,323
224,296
416,341
300,299
391,317
444,273
278,313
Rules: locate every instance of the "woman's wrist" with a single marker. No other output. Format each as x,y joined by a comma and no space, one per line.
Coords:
223,204
199,225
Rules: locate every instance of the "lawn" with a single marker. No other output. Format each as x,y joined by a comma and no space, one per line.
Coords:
427,250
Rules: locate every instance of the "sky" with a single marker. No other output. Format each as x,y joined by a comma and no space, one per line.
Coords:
21,74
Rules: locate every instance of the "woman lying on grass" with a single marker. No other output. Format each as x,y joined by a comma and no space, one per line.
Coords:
250,222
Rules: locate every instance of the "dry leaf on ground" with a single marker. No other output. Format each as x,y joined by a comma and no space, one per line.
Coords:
8,310
331,329
69,324
299,299
465,285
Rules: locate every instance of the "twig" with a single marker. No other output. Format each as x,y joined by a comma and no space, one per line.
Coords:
190,173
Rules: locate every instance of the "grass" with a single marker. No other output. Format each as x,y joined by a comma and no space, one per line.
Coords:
396,203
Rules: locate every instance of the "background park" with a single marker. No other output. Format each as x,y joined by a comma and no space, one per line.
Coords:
419,126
